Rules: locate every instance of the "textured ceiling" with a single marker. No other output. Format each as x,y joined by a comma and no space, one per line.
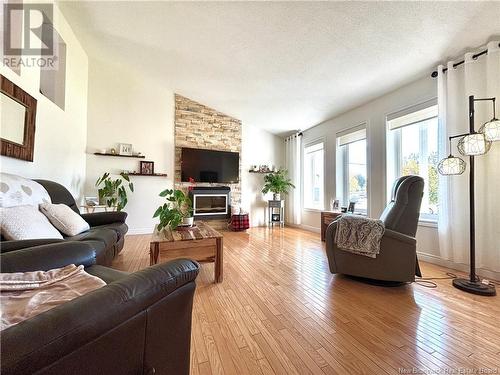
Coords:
282,65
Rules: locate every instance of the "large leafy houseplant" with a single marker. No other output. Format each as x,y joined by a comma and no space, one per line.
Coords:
113,192
277,183
177,207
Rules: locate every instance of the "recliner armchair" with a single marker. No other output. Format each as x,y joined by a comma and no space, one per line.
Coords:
397,260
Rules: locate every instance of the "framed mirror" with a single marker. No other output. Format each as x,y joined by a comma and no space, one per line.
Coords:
17,119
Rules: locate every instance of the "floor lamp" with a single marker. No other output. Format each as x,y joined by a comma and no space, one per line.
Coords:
472,144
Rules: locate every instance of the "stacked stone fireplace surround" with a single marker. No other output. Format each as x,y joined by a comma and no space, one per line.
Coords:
199,126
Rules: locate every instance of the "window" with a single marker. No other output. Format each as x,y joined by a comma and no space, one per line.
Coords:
352,178
314,176
413,149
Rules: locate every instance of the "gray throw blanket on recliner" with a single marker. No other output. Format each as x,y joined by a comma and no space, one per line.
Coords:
359,235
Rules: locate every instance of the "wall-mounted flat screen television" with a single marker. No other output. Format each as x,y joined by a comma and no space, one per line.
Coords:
209,165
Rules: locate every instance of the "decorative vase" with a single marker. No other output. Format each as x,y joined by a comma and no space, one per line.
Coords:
106,200
276,196
188,221
103,201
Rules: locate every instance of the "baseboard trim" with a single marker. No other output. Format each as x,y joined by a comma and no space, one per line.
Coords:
133,231
435,259
305,227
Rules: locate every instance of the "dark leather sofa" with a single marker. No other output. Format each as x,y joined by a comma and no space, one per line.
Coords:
139,323
107,229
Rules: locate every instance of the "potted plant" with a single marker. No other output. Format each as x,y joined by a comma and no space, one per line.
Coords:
278,183
113,193
176,210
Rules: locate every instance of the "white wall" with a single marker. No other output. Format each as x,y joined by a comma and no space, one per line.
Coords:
373,114
258,147
130,108
60,135
126,108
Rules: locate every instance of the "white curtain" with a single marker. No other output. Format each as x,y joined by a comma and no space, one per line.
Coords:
293,147
479,77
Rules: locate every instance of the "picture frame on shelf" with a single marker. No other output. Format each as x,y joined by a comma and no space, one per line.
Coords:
125,149
147,167
351,207
336,204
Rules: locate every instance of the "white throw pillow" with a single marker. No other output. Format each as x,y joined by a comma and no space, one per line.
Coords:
25,223
20,191
64,218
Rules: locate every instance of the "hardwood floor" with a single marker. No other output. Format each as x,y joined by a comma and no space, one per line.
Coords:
280,311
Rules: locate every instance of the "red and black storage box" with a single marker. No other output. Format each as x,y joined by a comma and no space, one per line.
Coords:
240,222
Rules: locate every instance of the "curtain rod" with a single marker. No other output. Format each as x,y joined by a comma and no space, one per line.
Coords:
299,134
435,73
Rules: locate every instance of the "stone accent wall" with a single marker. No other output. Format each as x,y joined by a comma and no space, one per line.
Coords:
199,126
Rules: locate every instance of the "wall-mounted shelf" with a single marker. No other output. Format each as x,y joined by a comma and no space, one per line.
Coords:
261,172
122,156
149,175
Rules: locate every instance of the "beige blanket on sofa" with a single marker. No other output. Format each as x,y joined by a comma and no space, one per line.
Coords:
26,294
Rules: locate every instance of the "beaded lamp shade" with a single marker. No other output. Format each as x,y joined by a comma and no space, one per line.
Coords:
491,130
451,166
473,144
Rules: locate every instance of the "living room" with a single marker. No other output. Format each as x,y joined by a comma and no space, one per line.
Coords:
321,122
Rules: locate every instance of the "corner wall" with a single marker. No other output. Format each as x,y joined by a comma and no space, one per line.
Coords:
125,107
258,147
60,135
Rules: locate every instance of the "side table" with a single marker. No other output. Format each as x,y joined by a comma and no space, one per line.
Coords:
276,212
91,209
326,218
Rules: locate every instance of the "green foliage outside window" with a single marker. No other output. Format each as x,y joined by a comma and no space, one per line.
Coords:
411,166
357,183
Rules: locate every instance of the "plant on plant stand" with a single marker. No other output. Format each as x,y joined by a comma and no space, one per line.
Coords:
175,210
114,192
278,183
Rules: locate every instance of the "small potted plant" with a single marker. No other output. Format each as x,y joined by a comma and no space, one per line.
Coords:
175,211
278,183
113,193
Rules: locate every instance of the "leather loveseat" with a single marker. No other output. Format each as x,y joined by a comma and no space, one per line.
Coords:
138,323
106,235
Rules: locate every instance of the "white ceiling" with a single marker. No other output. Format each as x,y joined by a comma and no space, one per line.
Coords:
282,65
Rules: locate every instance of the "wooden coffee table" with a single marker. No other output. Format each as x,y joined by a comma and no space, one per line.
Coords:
201,243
